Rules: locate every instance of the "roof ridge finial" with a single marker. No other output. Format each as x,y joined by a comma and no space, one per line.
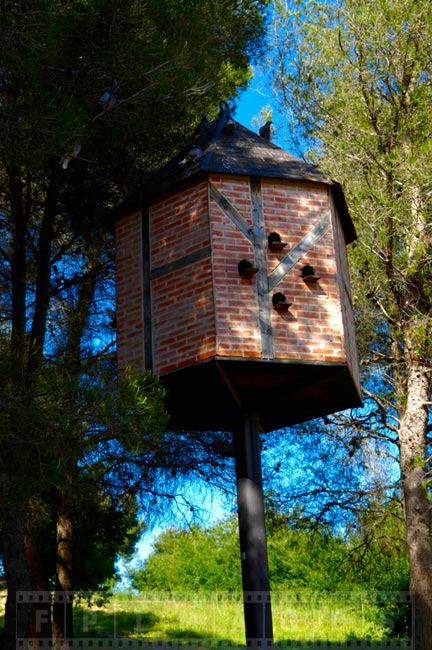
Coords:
224,110
226,122
223,119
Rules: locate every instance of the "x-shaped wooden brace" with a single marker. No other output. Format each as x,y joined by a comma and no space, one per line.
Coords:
256,235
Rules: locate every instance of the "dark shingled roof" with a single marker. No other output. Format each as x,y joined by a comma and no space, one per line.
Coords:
227,147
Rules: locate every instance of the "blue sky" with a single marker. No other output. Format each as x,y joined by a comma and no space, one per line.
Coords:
252,101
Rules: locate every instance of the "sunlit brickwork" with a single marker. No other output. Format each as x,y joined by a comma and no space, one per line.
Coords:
205,308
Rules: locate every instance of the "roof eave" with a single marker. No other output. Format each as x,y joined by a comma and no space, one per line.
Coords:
237,151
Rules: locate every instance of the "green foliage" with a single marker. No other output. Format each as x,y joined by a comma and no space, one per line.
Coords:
191,560
172,60
306,559
377,547
102,532
302,556
106,425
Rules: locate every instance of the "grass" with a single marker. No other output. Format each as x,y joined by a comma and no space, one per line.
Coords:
299,619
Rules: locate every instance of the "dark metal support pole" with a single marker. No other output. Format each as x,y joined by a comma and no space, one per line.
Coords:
253,544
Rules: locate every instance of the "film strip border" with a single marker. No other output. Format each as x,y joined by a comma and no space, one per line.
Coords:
248,596
132,644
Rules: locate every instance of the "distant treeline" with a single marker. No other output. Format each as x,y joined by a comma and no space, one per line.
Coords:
370,555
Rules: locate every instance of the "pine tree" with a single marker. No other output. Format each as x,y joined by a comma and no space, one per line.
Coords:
354,82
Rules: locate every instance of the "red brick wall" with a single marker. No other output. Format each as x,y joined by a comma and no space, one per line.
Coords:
312,328
183,304
183,318
205,308
237,327
179,224
129,288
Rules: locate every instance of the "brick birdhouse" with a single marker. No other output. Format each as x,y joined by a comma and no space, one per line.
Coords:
233,284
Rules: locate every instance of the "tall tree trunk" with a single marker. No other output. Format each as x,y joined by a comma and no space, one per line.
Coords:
416,328
18,276
40,627
412,442
43,274
18,608
18,613
63,600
